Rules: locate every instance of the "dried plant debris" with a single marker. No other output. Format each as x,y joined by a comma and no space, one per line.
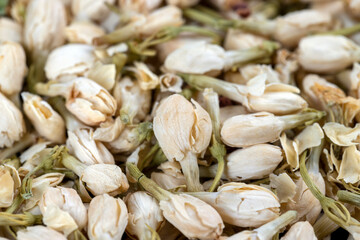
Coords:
179,119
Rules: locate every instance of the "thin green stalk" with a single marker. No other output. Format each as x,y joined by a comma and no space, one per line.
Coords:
45,163
148,184
349,197
344,31
335,210
72,163
217,149
26,219
120,35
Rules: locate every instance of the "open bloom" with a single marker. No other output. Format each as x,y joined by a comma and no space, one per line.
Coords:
183,130
108,217
243,204
13,67
47,122
12,125
144,212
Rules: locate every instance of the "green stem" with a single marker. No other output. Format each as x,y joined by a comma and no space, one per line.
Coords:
306,117
218,151
336,211
207,19
26,219
73,164
344,31
232,91
148,184
121,35
15,204
348,197
36,73
27,140
143,163
46,163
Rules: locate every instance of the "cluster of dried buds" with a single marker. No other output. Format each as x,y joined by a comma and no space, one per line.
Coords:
179,119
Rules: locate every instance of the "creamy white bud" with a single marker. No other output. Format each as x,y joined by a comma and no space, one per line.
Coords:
193,217
243,204
144,212
44,26
183,3
197,58
244,130
104,178
13,67
299,231
108,218
164,49
9,184
253,162
83,32
81,143
12,126
239,40
296,25
10,30
133,101
277,102
95,10
70,59
67,200
183,130
163,17
142,6
46,121
327,53
38,233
